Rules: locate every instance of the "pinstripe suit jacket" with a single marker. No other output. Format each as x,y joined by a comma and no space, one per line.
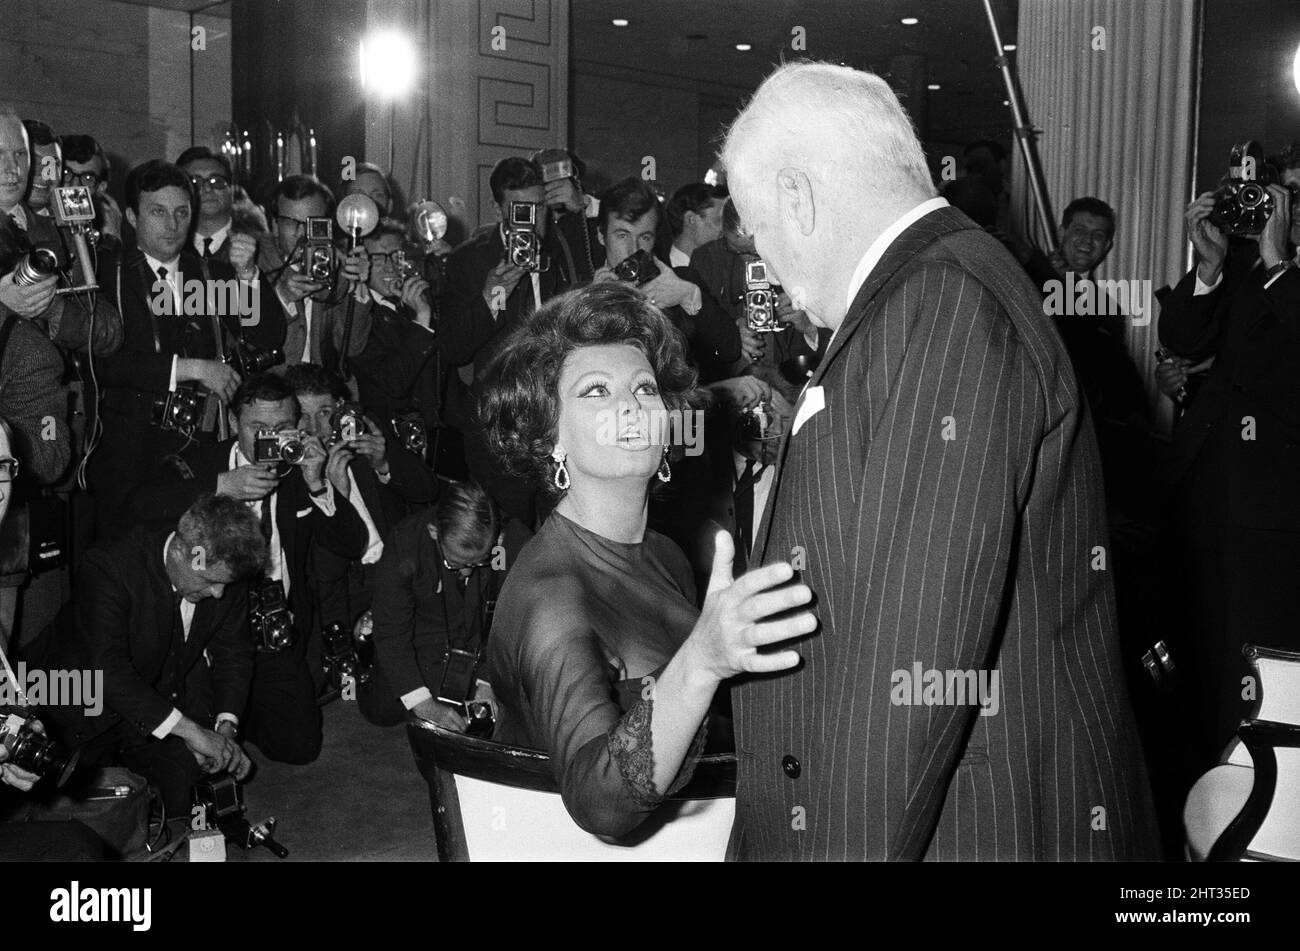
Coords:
946,503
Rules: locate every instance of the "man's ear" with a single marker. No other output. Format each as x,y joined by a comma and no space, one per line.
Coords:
600,236
795,198
130,217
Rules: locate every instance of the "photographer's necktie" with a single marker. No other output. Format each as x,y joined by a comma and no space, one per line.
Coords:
207,249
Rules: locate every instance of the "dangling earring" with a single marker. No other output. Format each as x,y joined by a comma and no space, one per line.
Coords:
561,472
665,471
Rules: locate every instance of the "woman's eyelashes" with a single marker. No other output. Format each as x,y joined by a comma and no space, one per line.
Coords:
600,388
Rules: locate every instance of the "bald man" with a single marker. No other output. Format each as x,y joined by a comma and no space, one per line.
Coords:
940,493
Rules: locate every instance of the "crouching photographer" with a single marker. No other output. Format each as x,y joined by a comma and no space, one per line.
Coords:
435,593
162,612
1233,463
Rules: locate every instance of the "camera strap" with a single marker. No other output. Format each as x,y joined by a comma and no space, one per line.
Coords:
9,671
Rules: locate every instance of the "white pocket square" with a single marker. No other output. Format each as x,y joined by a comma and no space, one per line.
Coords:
303,513
811,402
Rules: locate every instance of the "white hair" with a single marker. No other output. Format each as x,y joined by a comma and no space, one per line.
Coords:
842,124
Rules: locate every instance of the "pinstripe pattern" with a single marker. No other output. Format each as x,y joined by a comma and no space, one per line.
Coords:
968,553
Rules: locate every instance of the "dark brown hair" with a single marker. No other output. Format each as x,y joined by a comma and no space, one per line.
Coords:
521,408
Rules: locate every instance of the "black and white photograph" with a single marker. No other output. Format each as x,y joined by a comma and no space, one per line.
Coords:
579,431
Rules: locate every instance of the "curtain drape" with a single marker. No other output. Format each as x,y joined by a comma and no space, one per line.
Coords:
1112,86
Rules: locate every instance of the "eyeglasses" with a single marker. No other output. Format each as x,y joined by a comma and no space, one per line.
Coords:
8,469
471,566
90,179
215,182
290,224
385,258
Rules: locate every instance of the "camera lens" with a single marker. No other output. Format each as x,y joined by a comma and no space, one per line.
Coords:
1251,195
292,451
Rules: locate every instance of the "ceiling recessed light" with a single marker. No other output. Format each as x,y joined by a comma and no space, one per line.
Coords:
1006,102
619,22
744,47
909,21
1009,47
934,87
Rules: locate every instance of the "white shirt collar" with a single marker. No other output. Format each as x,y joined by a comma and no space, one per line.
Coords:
19,215
172,266
678,258
884,240
217,239
382,301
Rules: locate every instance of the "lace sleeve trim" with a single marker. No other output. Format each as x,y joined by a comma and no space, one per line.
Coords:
631,746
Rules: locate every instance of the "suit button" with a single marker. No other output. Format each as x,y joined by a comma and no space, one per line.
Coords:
791,766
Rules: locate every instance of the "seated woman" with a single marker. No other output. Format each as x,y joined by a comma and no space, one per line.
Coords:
598,654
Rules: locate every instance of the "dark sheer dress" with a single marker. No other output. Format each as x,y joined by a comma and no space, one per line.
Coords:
582,625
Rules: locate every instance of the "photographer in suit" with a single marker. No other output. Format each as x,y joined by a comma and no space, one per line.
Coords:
434,591
226,244
401,370
298,508
85,163
628,224
163,613
165,348
694,216
382,480
1234,464
487,295
314,325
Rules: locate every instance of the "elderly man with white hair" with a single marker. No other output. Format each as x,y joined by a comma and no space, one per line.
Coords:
941,495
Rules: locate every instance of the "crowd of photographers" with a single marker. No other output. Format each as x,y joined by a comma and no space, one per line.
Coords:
249,474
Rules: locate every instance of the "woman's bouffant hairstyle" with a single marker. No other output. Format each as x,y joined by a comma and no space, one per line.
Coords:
521,408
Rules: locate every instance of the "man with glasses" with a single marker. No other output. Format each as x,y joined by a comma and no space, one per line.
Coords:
227,248
435,588
315,326
400,370
85,163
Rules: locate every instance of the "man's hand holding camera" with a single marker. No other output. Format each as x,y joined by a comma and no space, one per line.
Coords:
1210,243
243,255
564,193
217,377
248,483
500,284
27,301
355,266
441,714
415,296
314,460
1276,234
294,285
215,750
15,776
666,289
373,446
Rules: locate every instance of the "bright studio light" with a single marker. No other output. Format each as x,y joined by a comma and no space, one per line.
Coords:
387,64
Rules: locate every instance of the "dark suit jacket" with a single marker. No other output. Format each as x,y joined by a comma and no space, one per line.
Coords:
467,331
964,553
168,495
1254,335
123,626
420,609
400,370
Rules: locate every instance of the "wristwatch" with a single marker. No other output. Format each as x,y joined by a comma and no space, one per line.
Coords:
1277,269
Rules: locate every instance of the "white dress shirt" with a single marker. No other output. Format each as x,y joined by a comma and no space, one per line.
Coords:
882,243
762,485
215,240
678,258
173,281
164,729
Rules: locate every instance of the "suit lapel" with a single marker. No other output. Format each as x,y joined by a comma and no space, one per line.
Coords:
903,249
